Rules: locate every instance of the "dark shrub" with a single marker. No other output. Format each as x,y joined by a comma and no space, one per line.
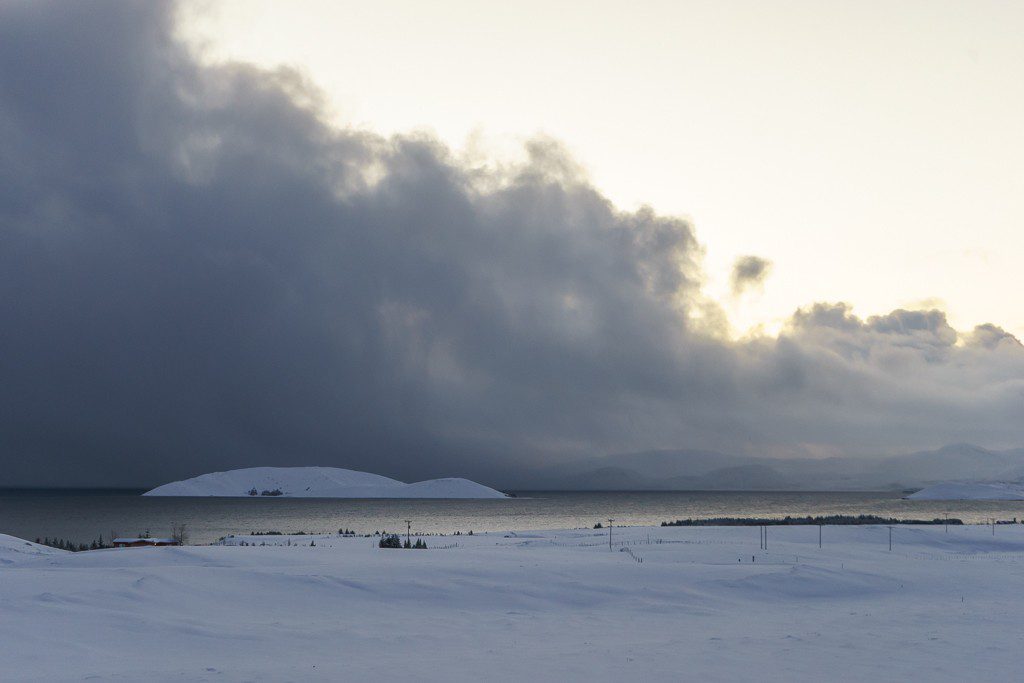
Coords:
390,541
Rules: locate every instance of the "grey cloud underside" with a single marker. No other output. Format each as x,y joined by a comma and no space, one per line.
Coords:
199,273
749,272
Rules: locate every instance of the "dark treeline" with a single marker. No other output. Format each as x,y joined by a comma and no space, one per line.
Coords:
265,492
785,521
393,541
63,544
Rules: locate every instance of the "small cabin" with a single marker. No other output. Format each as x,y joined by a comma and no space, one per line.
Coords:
143,542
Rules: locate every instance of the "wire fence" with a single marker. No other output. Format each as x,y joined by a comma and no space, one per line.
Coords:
629,551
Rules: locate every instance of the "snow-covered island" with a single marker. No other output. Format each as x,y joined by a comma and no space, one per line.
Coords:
662,604
970,491
319,482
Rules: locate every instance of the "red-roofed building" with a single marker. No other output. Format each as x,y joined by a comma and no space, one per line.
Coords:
143,542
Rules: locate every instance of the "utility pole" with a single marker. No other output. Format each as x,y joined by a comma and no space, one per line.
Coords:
947,522
993,526
610,523
408,531
890,539
819,537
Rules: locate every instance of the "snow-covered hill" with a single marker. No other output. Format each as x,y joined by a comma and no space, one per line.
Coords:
14,550
967,491
319,482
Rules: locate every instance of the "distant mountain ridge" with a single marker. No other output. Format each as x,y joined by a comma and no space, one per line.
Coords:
970,491
709,470
318,482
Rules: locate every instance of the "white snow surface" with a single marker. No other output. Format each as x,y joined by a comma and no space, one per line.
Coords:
320,482
541,606
971,491
14,550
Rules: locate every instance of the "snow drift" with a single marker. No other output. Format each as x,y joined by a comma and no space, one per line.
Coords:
968,491
319,482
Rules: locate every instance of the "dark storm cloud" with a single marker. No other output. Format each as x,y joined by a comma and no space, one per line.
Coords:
198,273
749,272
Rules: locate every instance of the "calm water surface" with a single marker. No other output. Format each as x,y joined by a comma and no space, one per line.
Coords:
83,515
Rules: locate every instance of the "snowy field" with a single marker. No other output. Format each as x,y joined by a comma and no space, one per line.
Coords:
549,606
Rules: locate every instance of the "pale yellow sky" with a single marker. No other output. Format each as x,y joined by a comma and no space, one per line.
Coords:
871,150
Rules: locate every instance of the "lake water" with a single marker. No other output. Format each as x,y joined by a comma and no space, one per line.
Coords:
84,515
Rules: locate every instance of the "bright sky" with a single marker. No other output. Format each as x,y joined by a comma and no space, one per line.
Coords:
872,150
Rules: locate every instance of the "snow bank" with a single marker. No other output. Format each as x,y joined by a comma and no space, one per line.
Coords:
319,482
960,491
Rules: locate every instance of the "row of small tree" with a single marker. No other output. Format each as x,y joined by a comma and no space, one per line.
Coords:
393,541
264,492
179,532
63,544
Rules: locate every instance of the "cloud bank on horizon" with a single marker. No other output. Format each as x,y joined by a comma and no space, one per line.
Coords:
199,273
